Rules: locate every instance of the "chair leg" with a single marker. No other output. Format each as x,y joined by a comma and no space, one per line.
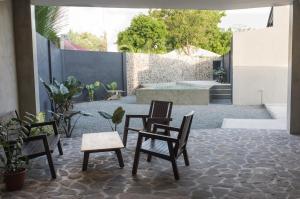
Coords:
60,148
120,158
175,169
149,158
173,160
186,157
125,133
137,155
51,165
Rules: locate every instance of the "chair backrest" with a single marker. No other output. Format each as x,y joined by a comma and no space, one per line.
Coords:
184,132
160,109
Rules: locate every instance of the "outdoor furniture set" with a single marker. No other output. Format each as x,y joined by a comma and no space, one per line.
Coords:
154,139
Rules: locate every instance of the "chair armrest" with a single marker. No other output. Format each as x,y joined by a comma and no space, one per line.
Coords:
42,124
165,127
158,137
137,116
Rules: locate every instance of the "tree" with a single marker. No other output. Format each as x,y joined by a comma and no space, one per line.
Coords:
145,34
187,28
49,21
88,41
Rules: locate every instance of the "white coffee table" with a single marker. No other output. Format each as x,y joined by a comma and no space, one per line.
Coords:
101,142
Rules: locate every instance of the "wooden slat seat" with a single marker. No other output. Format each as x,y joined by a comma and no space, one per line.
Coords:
155,146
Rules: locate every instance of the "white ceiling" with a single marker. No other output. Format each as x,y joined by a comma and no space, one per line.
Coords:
189,4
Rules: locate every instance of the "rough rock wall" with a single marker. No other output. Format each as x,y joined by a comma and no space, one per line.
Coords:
154,68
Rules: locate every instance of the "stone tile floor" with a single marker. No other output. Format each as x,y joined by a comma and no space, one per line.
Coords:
225,163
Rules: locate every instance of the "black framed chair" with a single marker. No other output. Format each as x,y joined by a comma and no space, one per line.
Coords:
165,146
38,145
159,113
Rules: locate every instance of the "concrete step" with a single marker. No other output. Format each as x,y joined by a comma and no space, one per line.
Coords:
222,86
220,96
220,91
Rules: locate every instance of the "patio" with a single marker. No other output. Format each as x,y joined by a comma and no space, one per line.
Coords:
224,164
206,117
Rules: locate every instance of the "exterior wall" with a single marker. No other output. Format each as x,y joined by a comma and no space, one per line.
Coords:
89,67
260,62
8,79
145,68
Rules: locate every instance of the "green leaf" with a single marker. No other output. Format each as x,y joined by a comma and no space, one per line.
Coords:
118,115
105,115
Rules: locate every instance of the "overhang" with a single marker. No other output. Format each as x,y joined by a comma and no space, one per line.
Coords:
188,4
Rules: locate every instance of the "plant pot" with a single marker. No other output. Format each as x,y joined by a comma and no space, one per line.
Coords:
14,180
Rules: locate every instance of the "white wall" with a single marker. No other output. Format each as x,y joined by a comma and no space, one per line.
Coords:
260,62
8,80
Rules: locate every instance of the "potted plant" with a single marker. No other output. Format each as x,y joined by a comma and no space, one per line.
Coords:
220,73
112,91
12,160
116,118
91,88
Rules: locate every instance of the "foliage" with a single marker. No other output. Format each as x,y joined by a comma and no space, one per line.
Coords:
91,88
221,74
88,41
197,28
13,160
64,120
49,21
116,118
145,34
30,119
112,86
61,94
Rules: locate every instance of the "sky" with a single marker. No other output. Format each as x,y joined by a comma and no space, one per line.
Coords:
113,20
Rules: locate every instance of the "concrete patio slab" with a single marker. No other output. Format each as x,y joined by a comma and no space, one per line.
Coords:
279,124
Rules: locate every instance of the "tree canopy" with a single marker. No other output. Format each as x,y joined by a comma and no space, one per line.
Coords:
145,34
169,29
197,28
88,41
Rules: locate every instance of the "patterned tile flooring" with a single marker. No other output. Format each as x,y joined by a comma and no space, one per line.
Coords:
225,163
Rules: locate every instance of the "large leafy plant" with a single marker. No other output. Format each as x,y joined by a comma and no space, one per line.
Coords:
113,86
12,160
91,88
64,120
62,94
116,118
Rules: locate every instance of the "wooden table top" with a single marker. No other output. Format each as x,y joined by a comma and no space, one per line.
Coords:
101,141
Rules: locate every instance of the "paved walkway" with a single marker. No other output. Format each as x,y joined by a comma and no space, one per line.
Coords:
206,117
225,163
278,120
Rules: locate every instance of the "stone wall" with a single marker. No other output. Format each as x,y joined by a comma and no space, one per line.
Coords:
153,68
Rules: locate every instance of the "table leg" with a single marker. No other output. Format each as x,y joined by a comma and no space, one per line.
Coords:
85,161
120,158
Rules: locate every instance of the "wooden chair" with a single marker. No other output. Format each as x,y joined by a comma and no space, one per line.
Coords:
165,146
40,145
159,113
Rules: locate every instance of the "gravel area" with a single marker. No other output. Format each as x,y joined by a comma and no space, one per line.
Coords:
206,117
